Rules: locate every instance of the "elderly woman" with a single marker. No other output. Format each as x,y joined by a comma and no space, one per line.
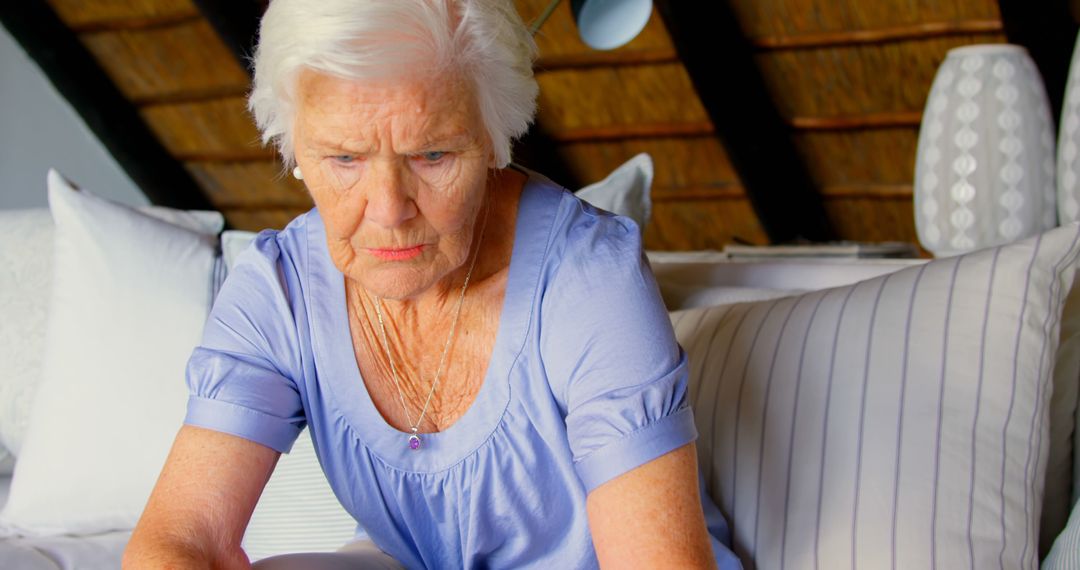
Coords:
483,361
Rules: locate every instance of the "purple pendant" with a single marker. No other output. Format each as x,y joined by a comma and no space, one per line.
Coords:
414,442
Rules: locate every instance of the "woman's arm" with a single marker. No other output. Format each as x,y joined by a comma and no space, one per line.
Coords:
651,517
201,503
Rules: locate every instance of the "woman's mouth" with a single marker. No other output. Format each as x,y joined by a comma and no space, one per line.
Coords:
396,254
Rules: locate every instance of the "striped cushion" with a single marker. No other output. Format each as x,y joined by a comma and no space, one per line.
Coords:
899,422
297,511
1066,552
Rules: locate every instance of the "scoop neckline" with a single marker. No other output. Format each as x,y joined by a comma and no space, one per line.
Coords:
340,374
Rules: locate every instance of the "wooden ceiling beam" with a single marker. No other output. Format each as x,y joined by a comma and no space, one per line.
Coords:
606,59
139,23
894,34
237,22
1048,30
631,131
856,122
75,73
720,61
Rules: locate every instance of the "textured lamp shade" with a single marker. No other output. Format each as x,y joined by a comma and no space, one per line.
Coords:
608,24
1068,158
984,172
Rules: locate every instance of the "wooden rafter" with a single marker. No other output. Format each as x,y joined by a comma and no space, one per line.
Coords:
720,61
75,73
237,22
861,37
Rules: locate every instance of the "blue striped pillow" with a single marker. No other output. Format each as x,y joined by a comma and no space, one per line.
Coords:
900,422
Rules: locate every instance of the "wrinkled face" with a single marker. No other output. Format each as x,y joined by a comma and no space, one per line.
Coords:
398,170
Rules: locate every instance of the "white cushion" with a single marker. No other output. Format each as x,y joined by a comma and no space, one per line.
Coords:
25,281
625,191
233,242
129,298
874,422
695,279
26,256
1066,552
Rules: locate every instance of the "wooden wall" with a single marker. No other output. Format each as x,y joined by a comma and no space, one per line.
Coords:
850,78
189,88
602,108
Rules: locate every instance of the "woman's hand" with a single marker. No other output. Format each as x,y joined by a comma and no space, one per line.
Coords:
201,503
651,517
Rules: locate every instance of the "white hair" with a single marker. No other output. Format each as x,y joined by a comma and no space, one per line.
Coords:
483,40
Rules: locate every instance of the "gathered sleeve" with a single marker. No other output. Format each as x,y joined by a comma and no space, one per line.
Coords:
241,376
610,353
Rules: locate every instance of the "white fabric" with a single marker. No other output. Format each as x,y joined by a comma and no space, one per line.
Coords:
361,554
94,552
5,489
130,296
1066,552
839,428
16,554
696,279
297,511
625,191
233,242
25,280
26,255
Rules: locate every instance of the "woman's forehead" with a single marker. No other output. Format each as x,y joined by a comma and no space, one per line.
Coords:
416,108
400,94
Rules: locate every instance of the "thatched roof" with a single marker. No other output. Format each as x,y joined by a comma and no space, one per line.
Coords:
766,118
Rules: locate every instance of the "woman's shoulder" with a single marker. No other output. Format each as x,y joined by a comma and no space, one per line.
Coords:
580,231
277,247
270,267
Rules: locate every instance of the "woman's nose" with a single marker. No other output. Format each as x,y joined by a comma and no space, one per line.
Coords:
391,199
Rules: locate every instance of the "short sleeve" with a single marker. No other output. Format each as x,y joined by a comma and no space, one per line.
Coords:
241,375
610,353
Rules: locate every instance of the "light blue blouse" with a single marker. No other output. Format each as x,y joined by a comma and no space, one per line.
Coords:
586,382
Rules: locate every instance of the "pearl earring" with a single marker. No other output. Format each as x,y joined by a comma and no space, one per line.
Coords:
297,173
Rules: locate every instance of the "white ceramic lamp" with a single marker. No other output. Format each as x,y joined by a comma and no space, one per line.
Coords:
1068,157
984,172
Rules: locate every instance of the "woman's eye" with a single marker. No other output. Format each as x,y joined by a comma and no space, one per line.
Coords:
344,158
432,156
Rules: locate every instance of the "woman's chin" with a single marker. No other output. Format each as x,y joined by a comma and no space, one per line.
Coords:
393,281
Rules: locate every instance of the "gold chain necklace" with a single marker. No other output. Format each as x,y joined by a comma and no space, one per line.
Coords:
414,437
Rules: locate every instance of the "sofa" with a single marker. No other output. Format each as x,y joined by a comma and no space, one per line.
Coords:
851,413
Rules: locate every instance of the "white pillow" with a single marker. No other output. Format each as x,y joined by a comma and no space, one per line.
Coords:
625,191
233,242
7,464
129,299
799,402
26,255
695,279
25,282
